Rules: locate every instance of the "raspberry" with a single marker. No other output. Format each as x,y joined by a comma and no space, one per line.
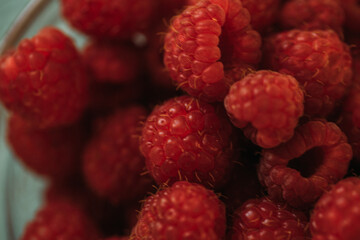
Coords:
44,81
54,153
183,211
111,62
313,15
264,219
187,139
300,170
318,60
119,19
204,41
352,14
112,161
60,220
267,105
336,215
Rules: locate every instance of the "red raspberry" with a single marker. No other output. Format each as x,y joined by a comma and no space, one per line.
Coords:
313,15
112,161
205,40
54,153
44,81
109,19
111,62
60,220
300,170
264,219
183,211
187,139
352,14
267,105
336,215
318,60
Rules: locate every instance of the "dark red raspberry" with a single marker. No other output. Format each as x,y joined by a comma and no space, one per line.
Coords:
112,62
54,153
187,139
113,164
267,105
300,170
266,220
44,80
318,60
313,15
109,19
204,41
60,220
336,215
352,14
183,211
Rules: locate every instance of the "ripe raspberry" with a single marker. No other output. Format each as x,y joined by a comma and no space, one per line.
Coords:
187,139
54,153
267,105
112,161
313,15
264,219
300,170
318,60
352,14
44,81
111,62
336,215
109,19
60,220
183,211
204,41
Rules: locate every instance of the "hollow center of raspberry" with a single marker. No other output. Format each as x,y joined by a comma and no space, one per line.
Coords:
307,163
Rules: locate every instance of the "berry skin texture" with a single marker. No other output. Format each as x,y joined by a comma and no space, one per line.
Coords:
119,19
187,139
183,211
60,220
267,106
112,161
37,76
300,170
206,40
318,60
52,153
263,219
313,15
336,215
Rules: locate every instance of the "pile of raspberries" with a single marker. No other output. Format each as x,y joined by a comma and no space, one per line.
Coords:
191,120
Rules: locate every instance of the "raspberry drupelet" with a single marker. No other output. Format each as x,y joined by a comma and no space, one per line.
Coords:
267,106
266,220
44,81
112,162
300,170
318,60
183,211
187,139
206,40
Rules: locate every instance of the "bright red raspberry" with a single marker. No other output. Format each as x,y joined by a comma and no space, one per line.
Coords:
183,211
187,139
300,170
112,161
204,41
352,14
44,80
60,220
109,19
267,106
112,62
264,219
336,215
318,60
53,153
313,15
